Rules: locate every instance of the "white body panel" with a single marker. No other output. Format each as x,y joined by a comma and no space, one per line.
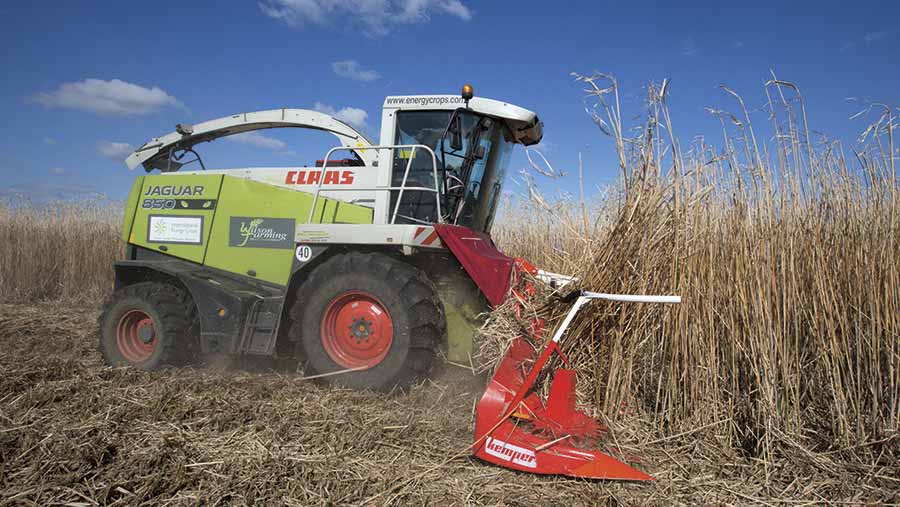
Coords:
490,107
365,185
410,236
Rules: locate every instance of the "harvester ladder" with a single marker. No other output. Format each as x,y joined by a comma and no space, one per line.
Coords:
261,326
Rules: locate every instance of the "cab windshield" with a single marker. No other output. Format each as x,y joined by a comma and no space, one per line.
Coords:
472,155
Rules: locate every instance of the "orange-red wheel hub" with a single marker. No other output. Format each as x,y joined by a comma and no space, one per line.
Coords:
357,330
136,336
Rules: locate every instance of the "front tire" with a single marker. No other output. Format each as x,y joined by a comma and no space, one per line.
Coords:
148,325
370,312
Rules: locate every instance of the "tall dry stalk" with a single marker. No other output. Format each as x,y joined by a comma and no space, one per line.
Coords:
58,252
787,258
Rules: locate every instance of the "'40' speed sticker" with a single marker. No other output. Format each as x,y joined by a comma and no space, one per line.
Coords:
303,253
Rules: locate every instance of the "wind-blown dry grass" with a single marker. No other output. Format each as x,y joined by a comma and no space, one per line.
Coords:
788,261
58,252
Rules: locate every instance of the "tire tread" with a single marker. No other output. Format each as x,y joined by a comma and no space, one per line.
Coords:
419,298
178,322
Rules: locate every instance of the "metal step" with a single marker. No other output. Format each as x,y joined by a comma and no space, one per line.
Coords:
261,326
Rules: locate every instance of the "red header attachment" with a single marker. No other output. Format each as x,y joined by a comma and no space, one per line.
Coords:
488,267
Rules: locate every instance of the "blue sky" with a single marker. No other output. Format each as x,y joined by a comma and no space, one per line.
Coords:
85,80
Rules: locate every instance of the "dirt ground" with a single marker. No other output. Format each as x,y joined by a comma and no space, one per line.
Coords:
74,432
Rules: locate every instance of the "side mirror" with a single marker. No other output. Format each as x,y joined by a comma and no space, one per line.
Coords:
456,143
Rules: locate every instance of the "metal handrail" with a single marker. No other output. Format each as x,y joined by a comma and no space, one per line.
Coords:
401,188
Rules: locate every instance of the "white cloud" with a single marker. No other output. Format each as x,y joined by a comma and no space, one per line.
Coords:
416,11
689,48
114,151
294,12
352,115
258,140
377,17
456,8
113,97
874,36
50,190
352,70
866,40
545,146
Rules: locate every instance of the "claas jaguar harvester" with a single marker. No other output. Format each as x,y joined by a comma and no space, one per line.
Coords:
363,265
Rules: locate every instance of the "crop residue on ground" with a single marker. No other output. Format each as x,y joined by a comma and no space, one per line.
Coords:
72,430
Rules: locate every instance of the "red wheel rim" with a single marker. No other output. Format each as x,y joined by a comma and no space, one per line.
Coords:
136,336
357,330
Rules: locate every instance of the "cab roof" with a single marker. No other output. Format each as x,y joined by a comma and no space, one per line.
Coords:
525,125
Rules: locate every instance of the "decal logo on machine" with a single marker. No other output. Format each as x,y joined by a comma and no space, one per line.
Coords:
312,177
174,190
314,236
303,253
207,204
261,232
509,452
175,229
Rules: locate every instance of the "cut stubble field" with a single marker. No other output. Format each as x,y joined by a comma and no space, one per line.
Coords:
73,431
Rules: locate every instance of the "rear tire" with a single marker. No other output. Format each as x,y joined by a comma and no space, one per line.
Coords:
148,325
367,310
